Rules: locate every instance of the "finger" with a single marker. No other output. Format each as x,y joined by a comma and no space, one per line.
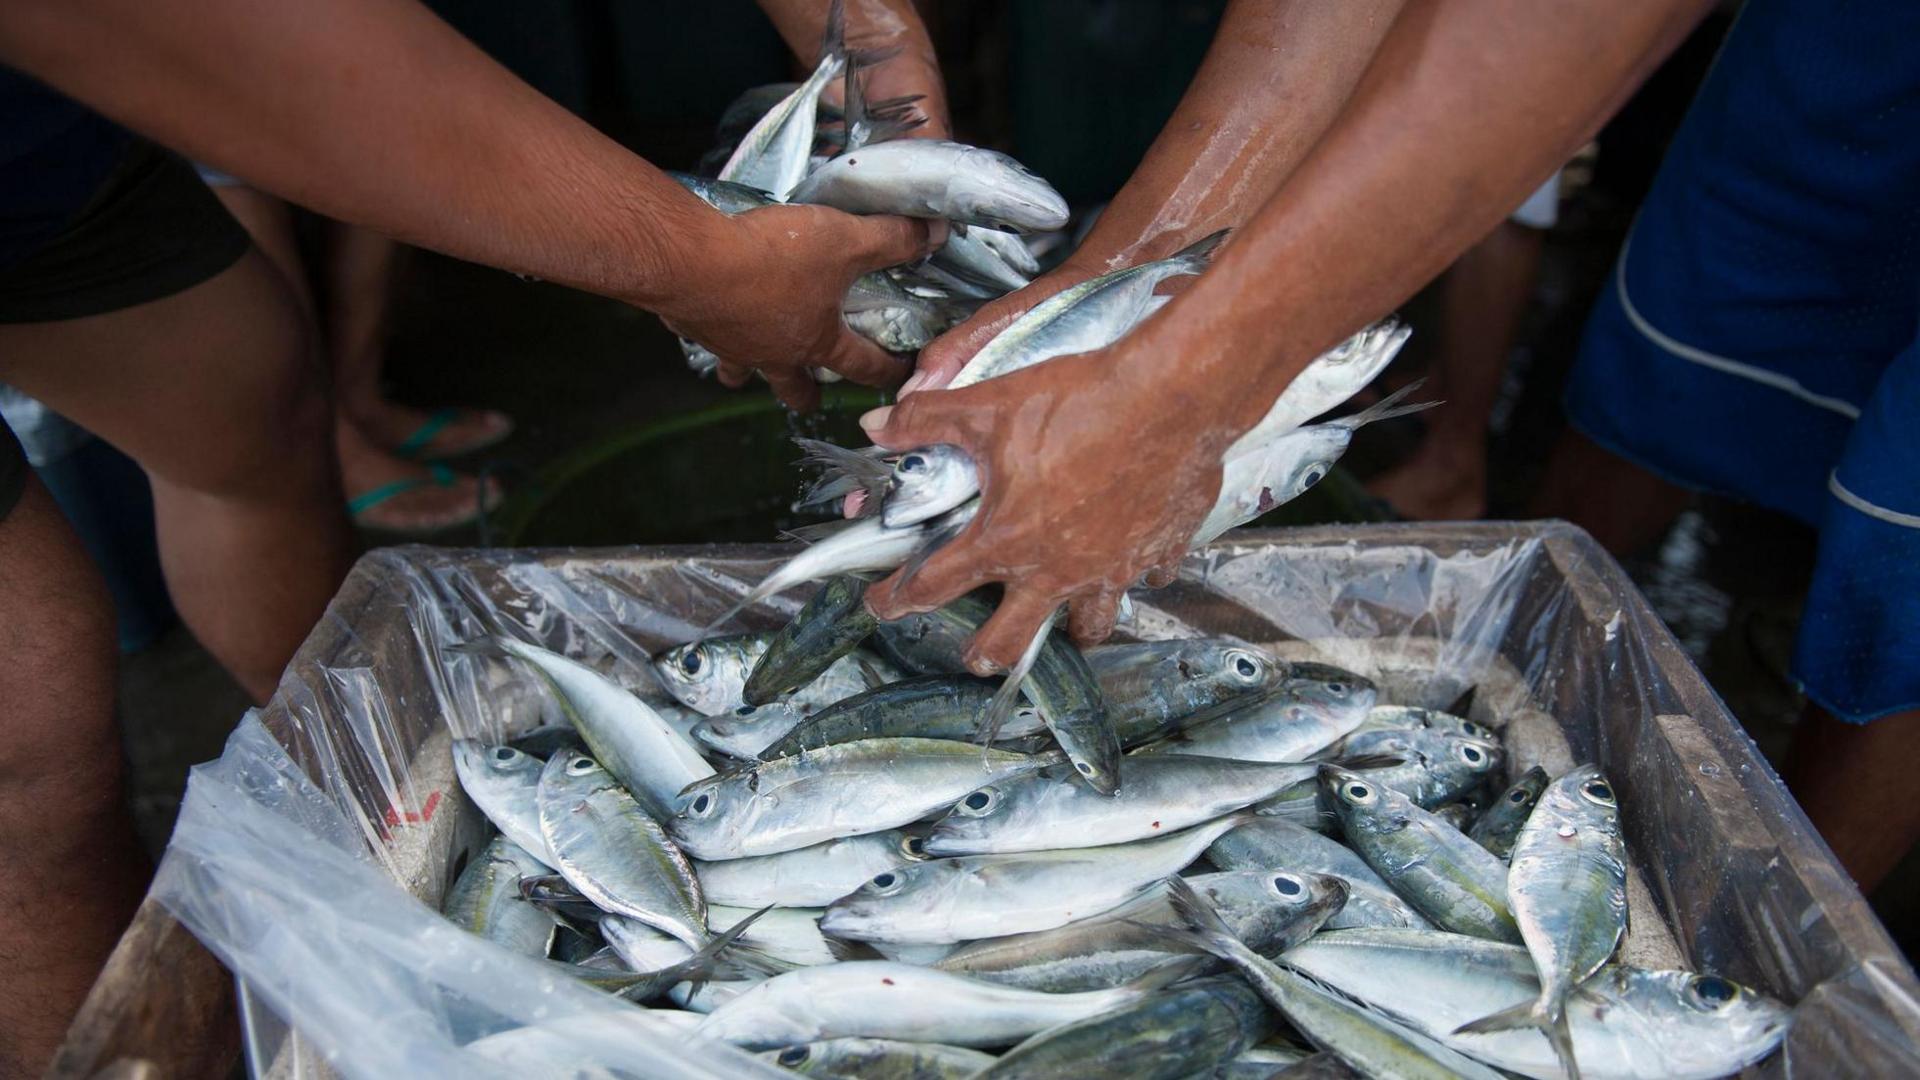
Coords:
794,387
951,572
856,358
1090,618
732,376
921,420
937,230
1165,573
883,240
999,644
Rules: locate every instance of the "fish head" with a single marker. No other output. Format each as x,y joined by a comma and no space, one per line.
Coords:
1527,789
1473,760
804,1058
869,912
982,812
1362,804
493,766
1333,692
708,676
701,821
1273,910
1449,724
987,187
928,482
1697,1024
749,729
1230,668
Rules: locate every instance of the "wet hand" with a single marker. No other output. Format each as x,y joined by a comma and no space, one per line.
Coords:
943,357
767,297
1090,480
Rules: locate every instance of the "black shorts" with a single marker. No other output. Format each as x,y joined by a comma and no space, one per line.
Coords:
152,230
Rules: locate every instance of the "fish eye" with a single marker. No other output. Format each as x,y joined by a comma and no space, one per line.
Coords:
1473,755
581,765
1313,476
1084,768
702,803
1473,729
913,463
794,1055
1598,791
915,847
980,802
1712,991
744,710
1337,687
1287,885
1245,666
886,884
691,661
1518,795
505,754
1357,792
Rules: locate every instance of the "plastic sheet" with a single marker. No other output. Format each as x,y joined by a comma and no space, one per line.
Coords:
313,855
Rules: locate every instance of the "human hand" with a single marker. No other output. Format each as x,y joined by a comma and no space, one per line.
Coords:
765,288
1092,473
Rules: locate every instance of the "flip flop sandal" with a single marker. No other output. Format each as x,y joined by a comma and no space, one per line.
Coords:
414,446
437,476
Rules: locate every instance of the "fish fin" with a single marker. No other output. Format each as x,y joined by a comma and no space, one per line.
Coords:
836,462
1196,910
886,129
700,966
844,950
1387,408
872,676
1463,704
833,40
1531,1014
1199,253
1008,696
814,533
1167,972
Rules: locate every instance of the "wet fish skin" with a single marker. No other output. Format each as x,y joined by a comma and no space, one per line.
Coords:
830,625
1329,380
773,154
708,676
486,899
1276,842
879,1059
748,730
979,896
1567,886
607,846
1112,948
936,178
928,482
1627,1023
1454,882
725,196
926,706
1499,826
1065,694
502,781
1310,708
933,642
1156,796
1176,1033
884,999
968,254
809,877
1384,718
1154,688
799,801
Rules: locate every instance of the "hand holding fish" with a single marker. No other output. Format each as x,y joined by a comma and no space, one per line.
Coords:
770,299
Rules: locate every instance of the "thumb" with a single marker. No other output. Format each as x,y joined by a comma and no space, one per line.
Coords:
883,240
854,357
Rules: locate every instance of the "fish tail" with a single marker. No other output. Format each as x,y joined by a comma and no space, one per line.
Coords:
1008,696
1200,927
844,470
1540,1015
1195,256
833,40
700,966
1387,408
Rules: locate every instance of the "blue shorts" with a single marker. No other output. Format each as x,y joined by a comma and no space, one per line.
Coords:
1760,336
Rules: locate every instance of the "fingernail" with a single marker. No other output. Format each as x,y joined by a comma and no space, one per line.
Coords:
876,420
984,667
913,383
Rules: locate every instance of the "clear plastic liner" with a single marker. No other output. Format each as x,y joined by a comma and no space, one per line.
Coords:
313,856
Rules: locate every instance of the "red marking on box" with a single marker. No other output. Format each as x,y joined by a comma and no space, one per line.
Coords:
411,817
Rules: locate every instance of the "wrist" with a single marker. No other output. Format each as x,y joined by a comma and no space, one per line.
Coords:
669,248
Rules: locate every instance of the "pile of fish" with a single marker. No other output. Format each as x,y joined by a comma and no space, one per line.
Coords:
1175,858
783,143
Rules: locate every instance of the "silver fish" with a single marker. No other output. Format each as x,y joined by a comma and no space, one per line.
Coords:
1437,767
887,1000
925,706
881,1059
724,195
1184,1031
1155,687
1500,825
773,155
788,934
502,781
605,845
1269,842
809,877
968,254
896,320
1270,909
866,545
487,901
640,749
842,790
928,482
709,676
750,729
1332,377
1385,718
1306,711
1627,1023
1453,881
1567,887
934,178
981,896
1011,249
1157,795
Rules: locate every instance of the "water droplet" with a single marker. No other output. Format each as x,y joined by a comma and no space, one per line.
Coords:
1567,831
1708,768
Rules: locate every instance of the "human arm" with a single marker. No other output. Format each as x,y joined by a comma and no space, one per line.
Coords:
377,113
875,25
1096,468
1274,79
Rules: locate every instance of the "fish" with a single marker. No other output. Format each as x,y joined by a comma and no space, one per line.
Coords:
644,752
879,1059
926,483
1437,767
1330,379
607,846
1314,705
926,706
1011,249
808,799
1567,887
710,675
1282,470
486,899
1458,815
881,310
1180,1032
1270,909
884,999
773,154
1367,1041
1065,694
980,896
932,642
968,254
831,624
808,877
724,195
1454,882
1270,1062
1499,826
935,178
746,732
1157,795
1268,842
651,981
502,781
1627,1023
1383,719
1153,688
788,934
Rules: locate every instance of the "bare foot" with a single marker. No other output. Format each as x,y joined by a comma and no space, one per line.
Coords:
392,494
1431,486
428,434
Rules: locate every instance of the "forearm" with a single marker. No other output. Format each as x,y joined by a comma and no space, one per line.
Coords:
1273,81
872,25
376,113
1465,109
